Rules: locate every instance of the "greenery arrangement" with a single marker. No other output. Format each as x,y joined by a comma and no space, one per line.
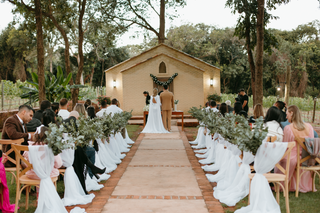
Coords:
176,101
155,80
214,97
146,108
56,87
233,128
105,98
84,131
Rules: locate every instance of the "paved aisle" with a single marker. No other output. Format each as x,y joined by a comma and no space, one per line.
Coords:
160,178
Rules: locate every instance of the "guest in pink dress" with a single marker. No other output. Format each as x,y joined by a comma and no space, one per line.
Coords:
5,205
39,139
297,128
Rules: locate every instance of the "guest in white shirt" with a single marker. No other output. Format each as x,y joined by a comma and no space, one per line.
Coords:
63,112
272,121
213,106
103,109
112,109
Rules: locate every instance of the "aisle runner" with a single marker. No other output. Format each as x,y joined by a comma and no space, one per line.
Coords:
160,178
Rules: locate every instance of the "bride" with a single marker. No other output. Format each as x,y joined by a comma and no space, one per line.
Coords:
154,123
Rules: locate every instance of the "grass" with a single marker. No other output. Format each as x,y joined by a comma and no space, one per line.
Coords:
305,203
134,131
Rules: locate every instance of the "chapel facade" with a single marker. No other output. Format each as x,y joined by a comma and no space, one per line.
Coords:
196,79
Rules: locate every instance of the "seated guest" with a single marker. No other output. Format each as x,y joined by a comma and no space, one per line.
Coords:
80,109
33,124
43,106
230,109
40,136
296,128
257,113
63,112
281,105
91,112
55,108
5,202
48,117
14,128
213,106
223,109
103,109
207,104
81,159
272,122
87,103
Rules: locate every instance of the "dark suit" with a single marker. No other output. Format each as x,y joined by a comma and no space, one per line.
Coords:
12,129
38,115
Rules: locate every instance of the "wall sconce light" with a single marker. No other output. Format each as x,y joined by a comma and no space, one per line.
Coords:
211,82
114,84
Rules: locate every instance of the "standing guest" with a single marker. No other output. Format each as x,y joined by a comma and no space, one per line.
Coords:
244,99
296,128
87,103
223,109
43,106
257,113
167,101
55,108
281,105
146,94
103,109
14,128
80,109
33,124
63,112
230,109
272,121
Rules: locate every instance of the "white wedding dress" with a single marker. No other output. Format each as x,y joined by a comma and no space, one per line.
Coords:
154,123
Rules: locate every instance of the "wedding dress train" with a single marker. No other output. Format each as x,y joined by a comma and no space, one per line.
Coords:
154,123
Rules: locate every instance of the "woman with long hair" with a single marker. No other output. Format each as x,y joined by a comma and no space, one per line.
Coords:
272,121
154,123
91,112
297,128
257,113
80,109
223,109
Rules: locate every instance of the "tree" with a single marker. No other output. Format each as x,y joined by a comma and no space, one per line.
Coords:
128,12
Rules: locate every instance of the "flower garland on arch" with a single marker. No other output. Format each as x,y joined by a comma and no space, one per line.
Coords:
155,80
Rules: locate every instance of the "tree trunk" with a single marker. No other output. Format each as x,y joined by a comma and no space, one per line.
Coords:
92,72
162,22
40,51
250,58
102,72
75,92
259,55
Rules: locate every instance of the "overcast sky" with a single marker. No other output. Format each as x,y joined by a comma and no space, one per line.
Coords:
213,12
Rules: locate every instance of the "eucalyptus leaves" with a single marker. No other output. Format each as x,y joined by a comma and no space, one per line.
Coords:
234,128
83,131
155,80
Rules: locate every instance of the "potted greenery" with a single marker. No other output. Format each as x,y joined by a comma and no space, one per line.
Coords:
175,104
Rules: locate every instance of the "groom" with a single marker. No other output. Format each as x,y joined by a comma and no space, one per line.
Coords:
166,99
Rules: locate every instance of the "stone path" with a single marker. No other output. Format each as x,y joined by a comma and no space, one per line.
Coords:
159,174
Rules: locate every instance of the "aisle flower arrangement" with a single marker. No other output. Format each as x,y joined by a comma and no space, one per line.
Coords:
84,131
234,128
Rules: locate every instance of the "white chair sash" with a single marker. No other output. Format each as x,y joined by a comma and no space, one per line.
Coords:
239,188
42,159
261,197
73,192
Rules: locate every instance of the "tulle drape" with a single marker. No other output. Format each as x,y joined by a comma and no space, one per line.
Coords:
42,159
73,192
261,196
